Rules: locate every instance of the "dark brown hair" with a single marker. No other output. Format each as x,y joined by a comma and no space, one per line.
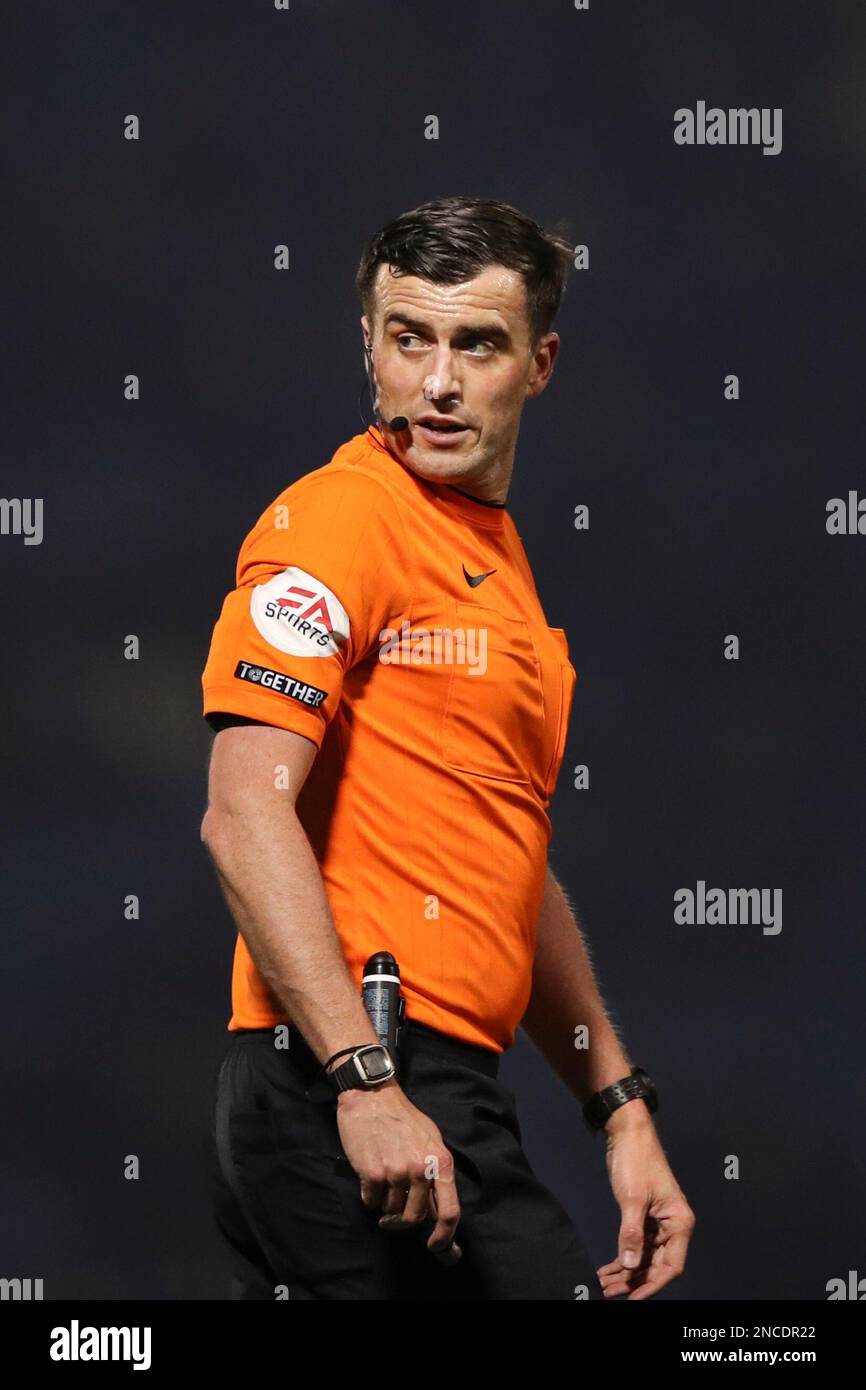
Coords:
450,240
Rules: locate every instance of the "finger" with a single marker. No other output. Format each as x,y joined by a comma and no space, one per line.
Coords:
446,1254
647,1283
417,1203
614,1288
617,1267
626,1285
372,1193
615,1274
631,1232
651,1242
395,1198
616,1280
667,1264
447,1207
412,1209
640,1284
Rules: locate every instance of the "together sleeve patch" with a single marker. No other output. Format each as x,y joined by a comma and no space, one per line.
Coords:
283,684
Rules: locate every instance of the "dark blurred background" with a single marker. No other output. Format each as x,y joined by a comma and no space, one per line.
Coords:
155,257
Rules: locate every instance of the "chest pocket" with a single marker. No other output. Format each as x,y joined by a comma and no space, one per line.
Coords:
563,683
494,722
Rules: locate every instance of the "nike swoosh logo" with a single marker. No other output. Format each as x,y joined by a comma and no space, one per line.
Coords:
475,579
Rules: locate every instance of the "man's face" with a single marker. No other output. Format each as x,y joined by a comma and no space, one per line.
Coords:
474,338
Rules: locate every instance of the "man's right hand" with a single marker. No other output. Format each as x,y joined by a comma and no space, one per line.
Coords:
401,1159
274,887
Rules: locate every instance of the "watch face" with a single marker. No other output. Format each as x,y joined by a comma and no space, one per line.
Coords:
375,1063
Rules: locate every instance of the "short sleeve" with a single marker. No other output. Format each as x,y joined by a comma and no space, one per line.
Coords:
322,572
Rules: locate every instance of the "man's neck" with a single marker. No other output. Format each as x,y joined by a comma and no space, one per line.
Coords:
493,488
482,501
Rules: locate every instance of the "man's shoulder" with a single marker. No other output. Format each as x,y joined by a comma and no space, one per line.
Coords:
356,474
351,498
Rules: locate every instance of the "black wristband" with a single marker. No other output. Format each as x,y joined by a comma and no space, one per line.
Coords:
326,1087
638,1085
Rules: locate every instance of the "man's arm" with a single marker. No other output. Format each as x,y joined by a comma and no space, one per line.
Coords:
273,885
656,1220
565,994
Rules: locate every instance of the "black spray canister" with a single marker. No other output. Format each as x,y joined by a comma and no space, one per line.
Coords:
380,991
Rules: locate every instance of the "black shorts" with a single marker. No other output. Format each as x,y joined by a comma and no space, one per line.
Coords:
288,1203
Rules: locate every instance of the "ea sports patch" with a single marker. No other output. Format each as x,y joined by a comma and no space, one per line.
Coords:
301,691
298,614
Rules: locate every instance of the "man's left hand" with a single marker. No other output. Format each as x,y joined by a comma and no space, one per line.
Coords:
657,1221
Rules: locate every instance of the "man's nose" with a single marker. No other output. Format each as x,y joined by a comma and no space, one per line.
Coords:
441,382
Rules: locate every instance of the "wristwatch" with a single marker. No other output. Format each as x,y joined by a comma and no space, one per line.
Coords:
637,1086
369,1066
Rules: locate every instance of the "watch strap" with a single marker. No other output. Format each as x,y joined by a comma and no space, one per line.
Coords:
347,1076
636,1086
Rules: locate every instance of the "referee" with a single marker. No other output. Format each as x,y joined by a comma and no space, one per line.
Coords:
391,709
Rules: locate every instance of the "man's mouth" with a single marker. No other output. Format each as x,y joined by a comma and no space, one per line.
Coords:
441,422
439,429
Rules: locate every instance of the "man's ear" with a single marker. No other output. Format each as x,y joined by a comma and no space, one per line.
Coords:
365,324
543,360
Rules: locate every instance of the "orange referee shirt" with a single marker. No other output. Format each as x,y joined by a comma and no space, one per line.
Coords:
395,622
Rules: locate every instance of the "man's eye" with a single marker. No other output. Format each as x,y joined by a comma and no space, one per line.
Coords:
405,339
